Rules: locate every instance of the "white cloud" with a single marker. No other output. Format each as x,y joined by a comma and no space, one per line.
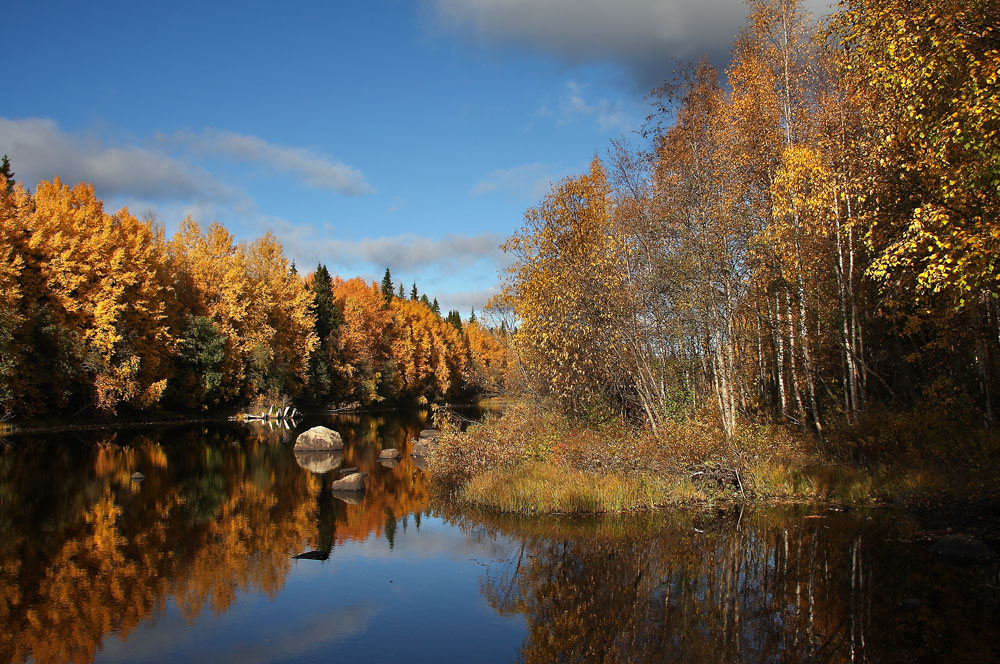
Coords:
459,270
610,115
40,150
406,253
644,36
526,181
466,300
316,170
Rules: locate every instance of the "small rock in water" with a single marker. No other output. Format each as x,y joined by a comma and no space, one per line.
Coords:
138,477
353,482
390,453
422,447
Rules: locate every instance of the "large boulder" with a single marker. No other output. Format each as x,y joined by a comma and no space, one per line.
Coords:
319,438
319,461
431,434
390,453
355,482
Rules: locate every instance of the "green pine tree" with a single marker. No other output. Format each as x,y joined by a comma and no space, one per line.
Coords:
7,173
387,287
413,292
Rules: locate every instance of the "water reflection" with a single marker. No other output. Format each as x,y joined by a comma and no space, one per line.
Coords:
85,550
775,586
97,565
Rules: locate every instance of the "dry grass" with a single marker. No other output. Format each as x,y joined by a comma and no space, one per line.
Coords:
531,459
542,487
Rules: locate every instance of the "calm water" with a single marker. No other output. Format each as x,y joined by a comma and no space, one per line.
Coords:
196,563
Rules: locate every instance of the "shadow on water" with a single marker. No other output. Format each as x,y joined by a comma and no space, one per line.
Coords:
87,552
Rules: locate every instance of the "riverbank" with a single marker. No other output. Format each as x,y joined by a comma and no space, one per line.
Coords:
530,459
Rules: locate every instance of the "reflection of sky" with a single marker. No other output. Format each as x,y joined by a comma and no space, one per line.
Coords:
418,601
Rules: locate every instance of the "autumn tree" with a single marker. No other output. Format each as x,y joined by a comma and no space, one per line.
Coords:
565,287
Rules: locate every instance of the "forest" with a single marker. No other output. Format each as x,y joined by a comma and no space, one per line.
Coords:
811,237
101,314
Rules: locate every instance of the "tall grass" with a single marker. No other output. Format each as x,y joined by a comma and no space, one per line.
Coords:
541,487
531,459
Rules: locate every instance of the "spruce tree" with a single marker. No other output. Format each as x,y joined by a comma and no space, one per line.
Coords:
400,294
7,173
472,316
327,321
387,287
436,308
323,309
413,292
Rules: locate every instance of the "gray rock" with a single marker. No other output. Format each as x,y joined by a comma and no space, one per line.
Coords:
962,546
389,463
429,434
390,453
317,461
319,438
353,482
138,477
422,447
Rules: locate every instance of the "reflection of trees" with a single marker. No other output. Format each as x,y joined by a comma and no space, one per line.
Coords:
85,551
391,494
767,588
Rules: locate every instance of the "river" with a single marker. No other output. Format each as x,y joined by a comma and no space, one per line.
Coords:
197,562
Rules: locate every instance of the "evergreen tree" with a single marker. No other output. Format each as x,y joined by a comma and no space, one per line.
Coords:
323,309
387,287
7,173
436,308
293,269
426,302
401,294
455,319
472,316
413,292
327,320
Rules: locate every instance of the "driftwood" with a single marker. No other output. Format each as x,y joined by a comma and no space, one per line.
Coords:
274,414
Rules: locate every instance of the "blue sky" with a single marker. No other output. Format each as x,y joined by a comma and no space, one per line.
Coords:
407,134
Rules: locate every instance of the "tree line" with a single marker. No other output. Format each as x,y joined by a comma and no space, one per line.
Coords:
810,238
100,311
